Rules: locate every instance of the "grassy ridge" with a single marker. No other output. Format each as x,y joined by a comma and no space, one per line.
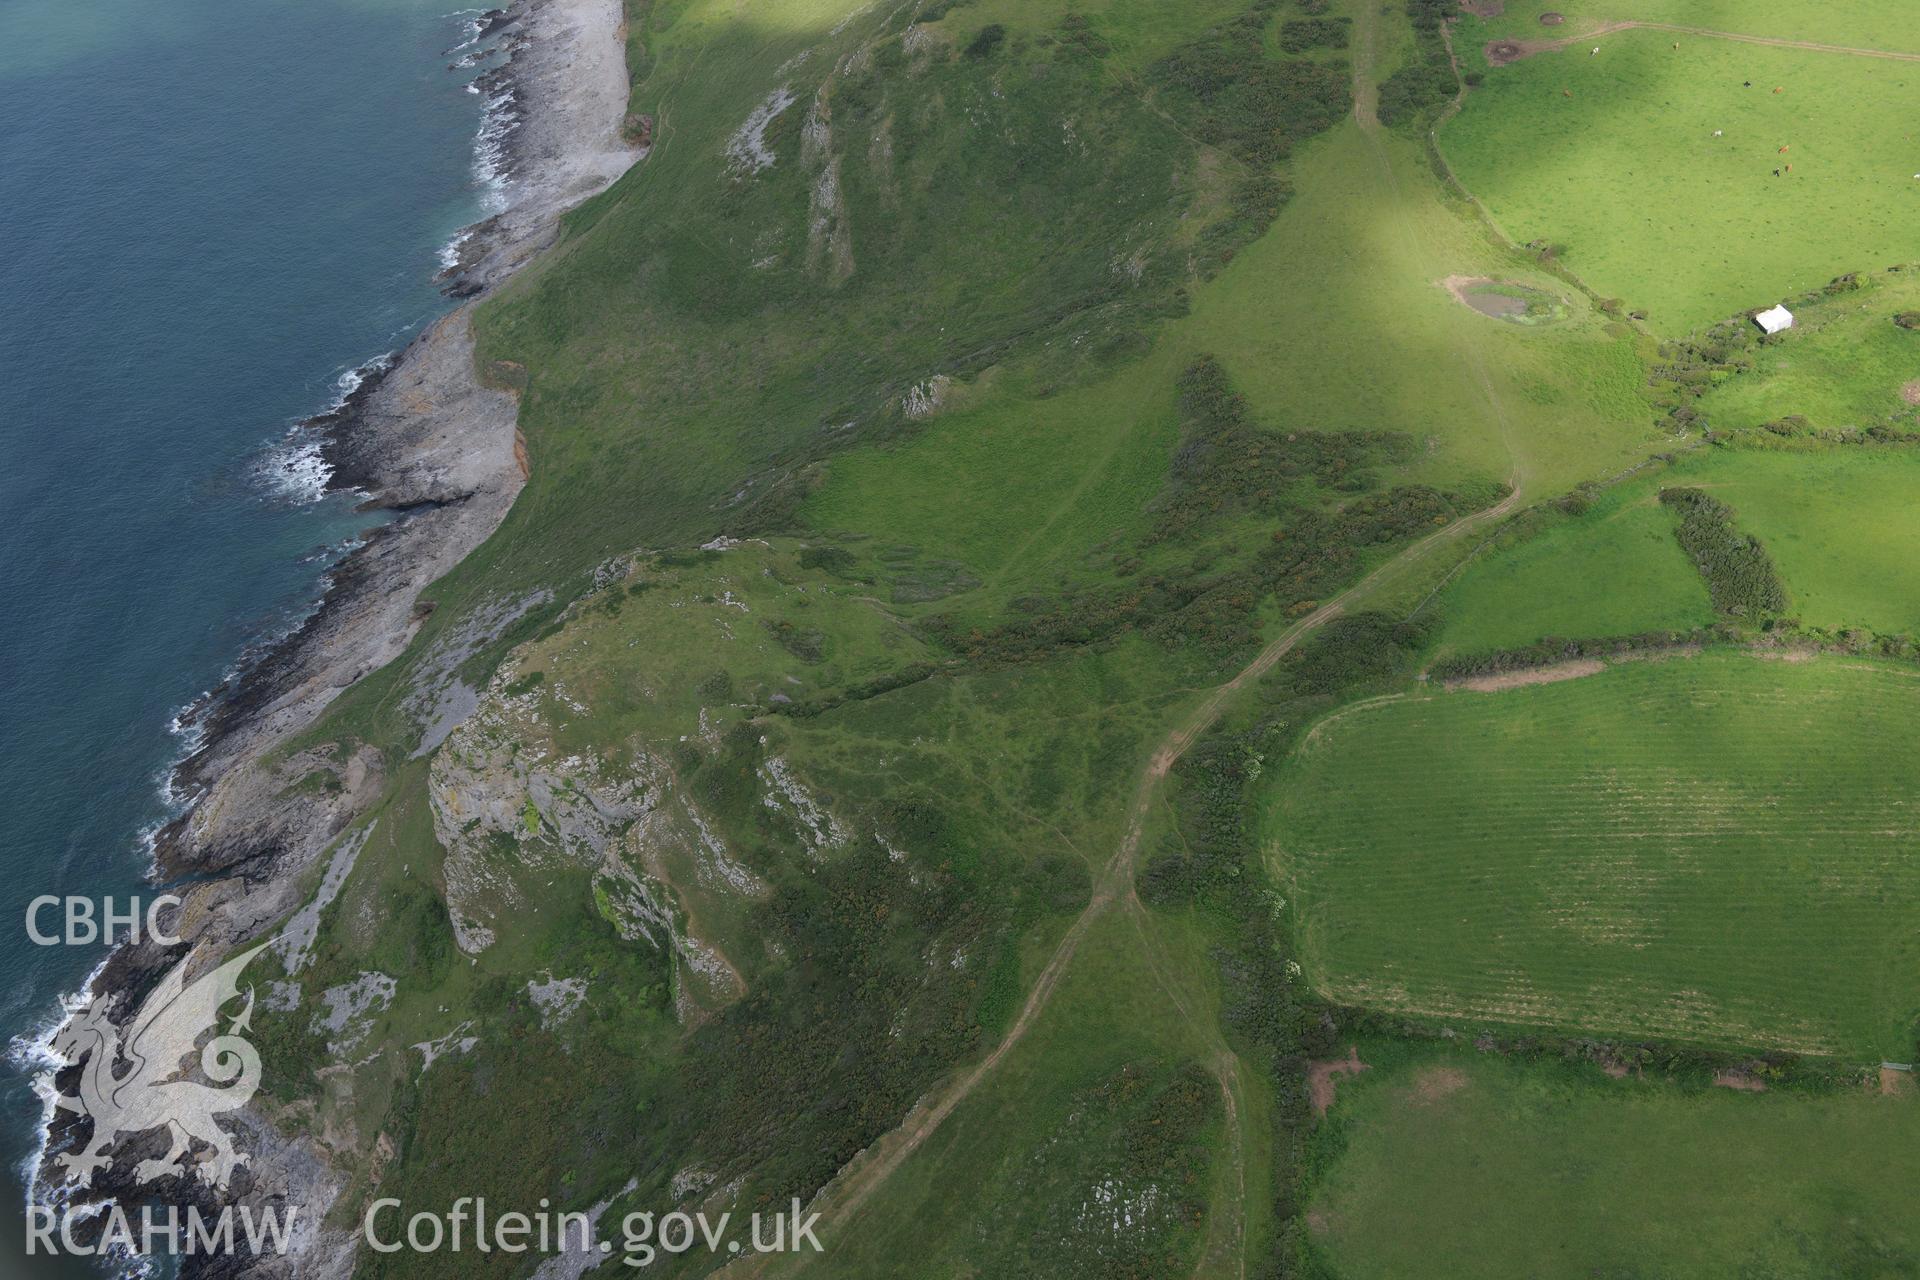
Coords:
1048,357
1867,24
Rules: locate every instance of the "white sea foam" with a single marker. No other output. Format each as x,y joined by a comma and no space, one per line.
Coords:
295,471
499,117
470,29
187,725
32,1052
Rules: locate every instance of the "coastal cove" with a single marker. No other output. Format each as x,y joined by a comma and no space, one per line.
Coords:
215,212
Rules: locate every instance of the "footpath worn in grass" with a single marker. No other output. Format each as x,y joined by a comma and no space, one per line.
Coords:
809,809
1613,156
1713,850
1470,1166
1092,1152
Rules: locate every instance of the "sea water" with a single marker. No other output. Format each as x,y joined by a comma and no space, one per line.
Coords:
211,213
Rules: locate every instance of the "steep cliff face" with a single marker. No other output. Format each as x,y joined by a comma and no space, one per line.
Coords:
512,811
733,794
431,439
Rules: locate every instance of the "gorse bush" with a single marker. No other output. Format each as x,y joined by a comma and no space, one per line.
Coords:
989,39
1297,35
1224,465
1239,97
1551,649
1427,80
1224,462
1739,573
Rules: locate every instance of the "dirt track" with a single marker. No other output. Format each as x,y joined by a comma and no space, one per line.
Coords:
866,1173
1225,1251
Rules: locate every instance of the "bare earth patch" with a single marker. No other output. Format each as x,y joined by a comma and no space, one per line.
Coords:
1458,286
1320,1075
1436,1083
1507,300
1895,1083
1484,8
1532,675
1795,655
1911,392
1739,1080
1551,19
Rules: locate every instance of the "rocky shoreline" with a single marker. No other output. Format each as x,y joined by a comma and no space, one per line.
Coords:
429,441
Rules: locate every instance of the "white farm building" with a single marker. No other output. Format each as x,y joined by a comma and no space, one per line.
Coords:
1774,319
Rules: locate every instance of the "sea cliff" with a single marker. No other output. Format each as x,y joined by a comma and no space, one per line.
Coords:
431,441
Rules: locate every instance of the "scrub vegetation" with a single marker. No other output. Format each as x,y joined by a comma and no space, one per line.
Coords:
1011,484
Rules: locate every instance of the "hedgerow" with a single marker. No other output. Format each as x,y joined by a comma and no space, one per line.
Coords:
1272,1018
1739,573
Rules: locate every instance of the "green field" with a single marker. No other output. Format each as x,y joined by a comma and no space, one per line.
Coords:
1614,570
1865,24
1844,364
1613,157
1838,523
1470,1166
1715,850
1834,520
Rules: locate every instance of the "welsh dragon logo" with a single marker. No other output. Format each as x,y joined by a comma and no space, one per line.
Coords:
150,1095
